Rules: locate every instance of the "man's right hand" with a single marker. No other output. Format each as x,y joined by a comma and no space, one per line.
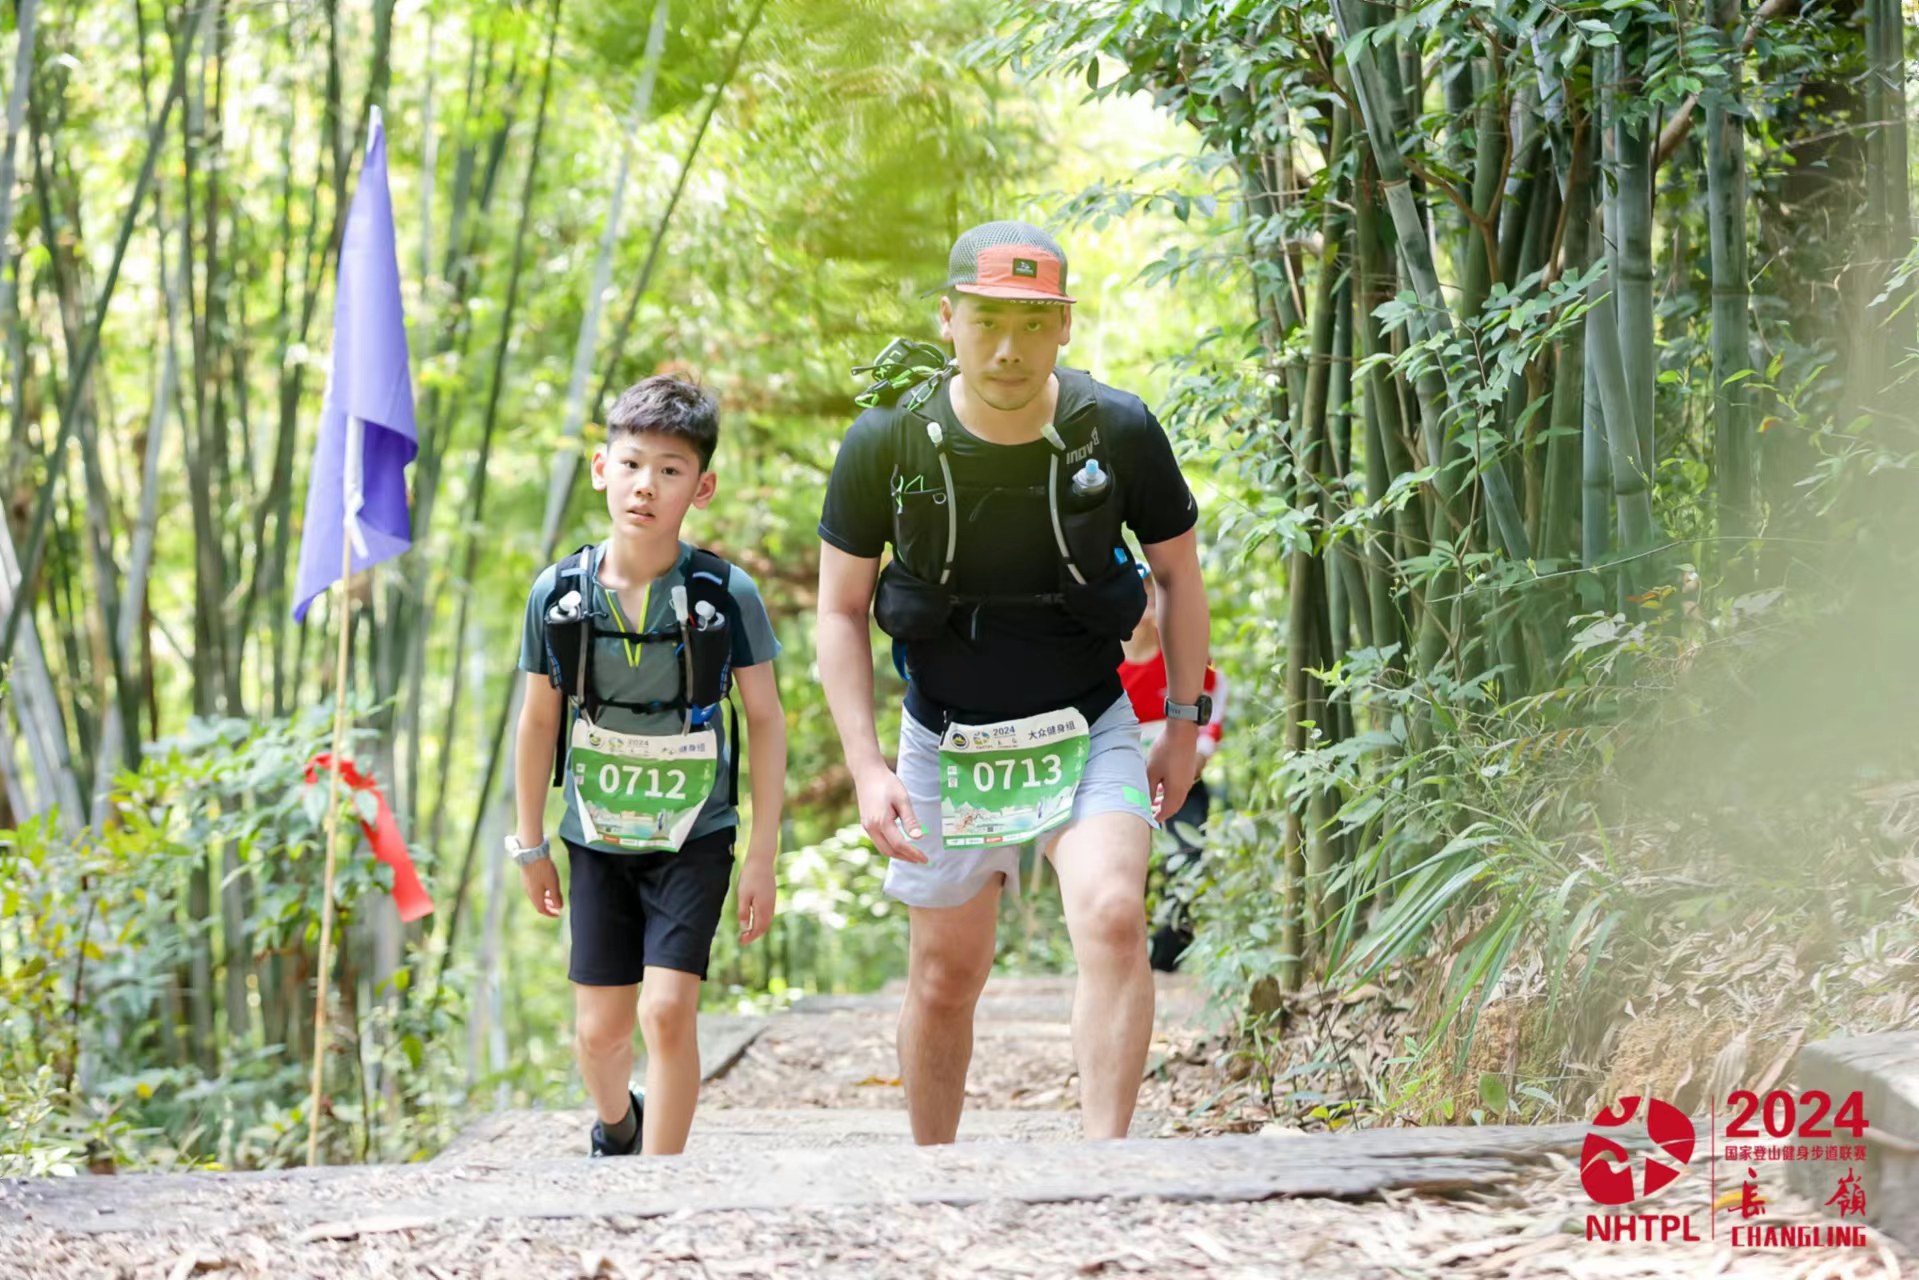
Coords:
884,809
541,880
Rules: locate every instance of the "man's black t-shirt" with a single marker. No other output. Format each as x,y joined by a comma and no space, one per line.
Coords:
1007,660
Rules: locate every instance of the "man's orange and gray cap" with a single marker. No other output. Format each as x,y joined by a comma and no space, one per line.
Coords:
1012,260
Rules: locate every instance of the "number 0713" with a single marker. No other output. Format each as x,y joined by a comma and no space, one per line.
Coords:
1003,775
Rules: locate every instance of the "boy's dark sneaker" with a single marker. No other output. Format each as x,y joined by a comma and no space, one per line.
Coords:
603,1145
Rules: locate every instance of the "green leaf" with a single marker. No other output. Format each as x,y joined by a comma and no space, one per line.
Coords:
313,804
1492,1092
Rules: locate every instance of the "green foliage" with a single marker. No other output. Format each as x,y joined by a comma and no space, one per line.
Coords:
1438,784
97,954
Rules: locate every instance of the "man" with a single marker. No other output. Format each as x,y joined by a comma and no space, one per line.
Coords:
1144,675
1002,483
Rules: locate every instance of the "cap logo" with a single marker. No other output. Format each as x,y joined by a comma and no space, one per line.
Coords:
1026,267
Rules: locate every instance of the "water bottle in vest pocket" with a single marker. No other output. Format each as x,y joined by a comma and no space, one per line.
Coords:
712,641
1111,600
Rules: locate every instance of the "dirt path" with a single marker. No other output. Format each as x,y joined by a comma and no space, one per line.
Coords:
800,1165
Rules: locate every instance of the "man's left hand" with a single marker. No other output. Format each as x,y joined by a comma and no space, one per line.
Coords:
1172,767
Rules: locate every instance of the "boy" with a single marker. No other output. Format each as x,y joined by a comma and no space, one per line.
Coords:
638,633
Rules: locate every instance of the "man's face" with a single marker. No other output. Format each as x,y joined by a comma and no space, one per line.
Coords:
650,480
1006,350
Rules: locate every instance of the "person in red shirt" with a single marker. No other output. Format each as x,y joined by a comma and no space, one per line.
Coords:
1143,672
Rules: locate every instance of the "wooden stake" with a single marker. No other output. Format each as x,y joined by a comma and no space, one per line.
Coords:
324,978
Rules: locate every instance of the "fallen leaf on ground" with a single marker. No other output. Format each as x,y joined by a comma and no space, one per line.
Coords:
361,1227
1209,1245
193,1262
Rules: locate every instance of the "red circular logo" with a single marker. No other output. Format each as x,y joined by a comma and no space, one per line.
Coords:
1605,1170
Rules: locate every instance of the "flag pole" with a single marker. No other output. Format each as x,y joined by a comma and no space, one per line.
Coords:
324,983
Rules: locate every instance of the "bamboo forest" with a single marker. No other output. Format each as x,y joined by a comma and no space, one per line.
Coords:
1542,373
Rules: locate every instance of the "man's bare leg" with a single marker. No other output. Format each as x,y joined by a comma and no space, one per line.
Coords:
603,1040
950,958
1101,863
669,1020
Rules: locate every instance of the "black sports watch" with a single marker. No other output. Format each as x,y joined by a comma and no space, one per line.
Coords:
1197,712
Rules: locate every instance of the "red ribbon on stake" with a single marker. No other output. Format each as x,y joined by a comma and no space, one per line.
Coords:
383,835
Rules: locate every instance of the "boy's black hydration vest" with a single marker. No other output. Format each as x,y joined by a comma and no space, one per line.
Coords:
705,653
1099,583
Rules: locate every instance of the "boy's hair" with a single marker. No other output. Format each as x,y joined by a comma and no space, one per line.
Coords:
668,406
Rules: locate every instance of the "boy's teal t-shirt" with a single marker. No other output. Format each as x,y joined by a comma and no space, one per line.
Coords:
631,672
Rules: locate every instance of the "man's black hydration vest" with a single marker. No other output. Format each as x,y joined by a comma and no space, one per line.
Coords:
1098,581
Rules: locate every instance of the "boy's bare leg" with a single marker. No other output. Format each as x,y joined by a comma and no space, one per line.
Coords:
949,960
1101,863
603,1042
669,1020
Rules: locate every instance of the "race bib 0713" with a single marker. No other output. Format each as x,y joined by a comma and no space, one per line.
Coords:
1006,783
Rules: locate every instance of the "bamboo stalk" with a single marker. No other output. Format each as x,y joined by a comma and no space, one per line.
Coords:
1315,608
496,382
26,28
460,269
122,732
37,705
1595,511
77,377
1295,873
566,459
1387,456
1731,353
105,671
1561,516
322,978
1490,160
1375,102
1631,487
1890,323
1354,598
644,279
1630,238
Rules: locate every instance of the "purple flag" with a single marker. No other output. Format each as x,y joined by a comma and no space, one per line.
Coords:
356,489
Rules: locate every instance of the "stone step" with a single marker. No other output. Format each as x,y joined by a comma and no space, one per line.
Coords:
1178,1001
539,1135
748,1175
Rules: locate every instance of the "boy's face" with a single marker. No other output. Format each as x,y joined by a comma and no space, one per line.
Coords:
650,480
1006,350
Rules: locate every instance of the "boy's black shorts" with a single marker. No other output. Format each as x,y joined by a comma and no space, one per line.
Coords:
632,910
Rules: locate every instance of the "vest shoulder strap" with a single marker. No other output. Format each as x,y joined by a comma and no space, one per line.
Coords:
709,577
566,643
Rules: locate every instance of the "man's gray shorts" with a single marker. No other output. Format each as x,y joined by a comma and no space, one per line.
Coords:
1114,781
